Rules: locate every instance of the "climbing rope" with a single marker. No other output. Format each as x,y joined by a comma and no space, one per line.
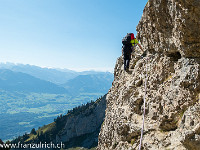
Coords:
142,130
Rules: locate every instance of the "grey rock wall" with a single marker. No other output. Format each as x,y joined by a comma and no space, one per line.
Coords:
171,25
87,122
169,31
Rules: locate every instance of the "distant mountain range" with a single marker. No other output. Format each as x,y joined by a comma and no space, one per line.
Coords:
40,94
89,83
28,78
57,76
17,81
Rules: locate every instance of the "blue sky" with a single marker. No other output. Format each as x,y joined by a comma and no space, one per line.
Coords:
73,34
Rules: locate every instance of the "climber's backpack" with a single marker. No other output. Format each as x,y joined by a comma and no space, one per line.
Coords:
126,41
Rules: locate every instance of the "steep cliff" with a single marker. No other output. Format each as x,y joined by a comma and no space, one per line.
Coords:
170,32
82,129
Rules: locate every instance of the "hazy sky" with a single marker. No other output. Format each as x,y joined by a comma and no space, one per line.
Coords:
73,34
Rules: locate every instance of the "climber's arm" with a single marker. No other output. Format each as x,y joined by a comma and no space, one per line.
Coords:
140,46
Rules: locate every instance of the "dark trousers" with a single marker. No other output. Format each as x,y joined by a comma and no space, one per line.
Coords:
127,59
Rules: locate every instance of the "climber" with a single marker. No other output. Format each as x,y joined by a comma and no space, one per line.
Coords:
129,42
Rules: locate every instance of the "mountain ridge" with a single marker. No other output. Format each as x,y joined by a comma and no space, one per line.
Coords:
22,94
55,75
91,83
17,81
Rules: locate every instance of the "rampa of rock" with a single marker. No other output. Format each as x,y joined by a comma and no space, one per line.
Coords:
170,32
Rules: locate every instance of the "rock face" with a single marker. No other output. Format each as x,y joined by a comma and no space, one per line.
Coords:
170,32
86,123
170,26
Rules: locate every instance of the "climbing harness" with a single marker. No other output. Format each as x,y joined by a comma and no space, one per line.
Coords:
142,130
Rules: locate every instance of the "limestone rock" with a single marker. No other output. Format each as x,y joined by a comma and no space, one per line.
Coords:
86,122
170,31
171,26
